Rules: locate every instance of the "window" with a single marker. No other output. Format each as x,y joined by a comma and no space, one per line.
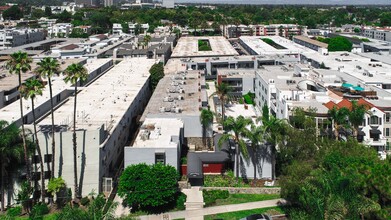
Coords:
374,120
160,158
387,132
363,122
47,158
107,184
388,117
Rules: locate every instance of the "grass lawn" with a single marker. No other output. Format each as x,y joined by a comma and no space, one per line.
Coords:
243,198
241,214
45,217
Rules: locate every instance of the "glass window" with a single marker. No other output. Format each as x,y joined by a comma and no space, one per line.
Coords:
374,120
387,132
388,117
160,158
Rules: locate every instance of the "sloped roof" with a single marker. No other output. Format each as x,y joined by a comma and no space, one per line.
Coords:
348,104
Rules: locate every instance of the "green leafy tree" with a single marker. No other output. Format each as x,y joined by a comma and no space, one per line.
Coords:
78,33
13,13
149,187
29,90
235,129
206,119
74,74
339,44
11,152
48,11
47,68
19,63
37,13
342,180
157,73
64,17
56,185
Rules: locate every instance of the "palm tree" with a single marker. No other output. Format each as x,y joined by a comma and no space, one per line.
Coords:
48,67
206,119
29,90
274,129
339,117
11,151
236,127
255,136
20,63
147,39
74,73
222,91
356,116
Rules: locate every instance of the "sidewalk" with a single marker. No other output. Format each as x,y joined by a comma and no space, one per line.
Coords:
196,214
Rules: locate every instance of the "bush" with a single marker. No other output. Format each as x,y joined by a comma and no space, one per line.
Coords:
211,196
180,202
248,99
84,201
15,211
38,211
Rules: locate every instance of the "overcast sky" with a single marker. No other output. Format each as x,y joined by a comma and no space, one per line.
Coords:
342,2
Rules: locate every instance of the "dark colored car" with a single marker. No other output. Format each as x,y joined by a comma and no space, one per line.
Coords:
257,217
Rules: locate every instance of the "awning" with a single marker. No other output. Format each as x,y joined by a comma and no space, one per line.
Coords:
375,131
361,133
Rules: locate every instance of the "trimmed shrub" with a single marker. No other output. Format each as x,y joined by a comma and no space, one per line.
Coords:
211,196
84,201
15,211
180,202
38,211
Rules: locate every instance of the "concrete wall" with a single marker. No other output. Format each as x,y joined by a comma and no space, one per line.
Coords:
263,163
247,190
134,155
88,157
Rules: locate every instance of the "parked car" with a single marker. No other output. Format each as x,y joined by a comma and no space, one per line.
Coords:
257,217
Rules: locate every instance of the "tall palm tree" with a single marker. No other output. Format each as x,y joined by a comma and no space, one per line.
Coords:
74,73
274,132
19,63
235,130
48,67
206,119
356,116
222,91
255,136
11,151
29,90
339,117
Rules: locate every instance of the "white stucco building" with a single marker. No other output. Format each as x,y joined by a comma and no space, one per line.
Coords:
158,141
106,111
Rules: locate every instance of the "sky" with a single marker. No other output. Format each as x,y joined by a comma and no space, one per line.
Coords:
327,2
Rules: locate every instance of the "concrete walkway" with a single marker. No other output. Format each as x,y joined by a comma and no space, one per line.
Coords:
198,214
194,199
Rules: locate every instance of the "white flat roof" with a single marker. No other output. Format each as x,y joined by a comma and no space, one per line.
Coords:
161,131
262,48
11,112
355,65
188,47
105,101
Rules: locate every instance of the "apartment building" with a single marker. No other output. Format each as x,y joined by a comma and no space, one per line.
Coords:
106,116
117,29
60,30
135,28
378,34
158,141
16,37
283,30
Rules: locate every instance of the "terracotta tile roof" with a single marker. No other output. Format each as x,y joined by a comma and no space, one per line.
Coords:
348,104
329,104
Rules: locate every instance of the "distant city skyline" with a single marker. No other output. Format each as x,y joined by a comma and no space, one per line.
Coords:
301,2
